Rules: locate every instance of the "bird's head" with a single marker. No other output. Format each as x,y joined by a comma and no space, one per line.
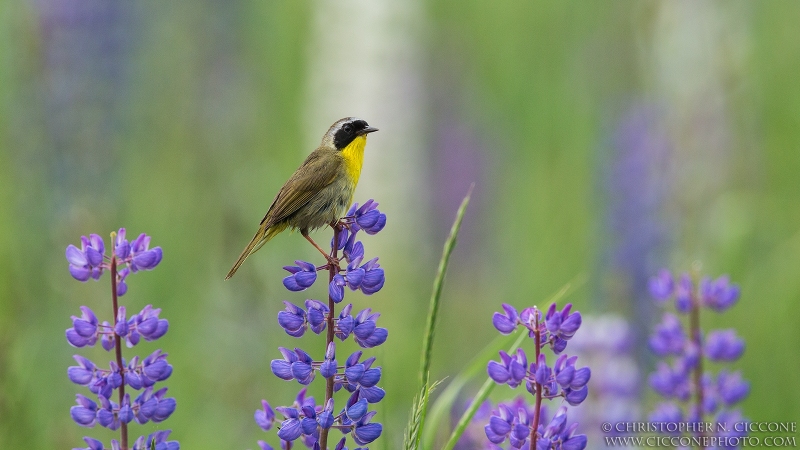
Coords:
343,131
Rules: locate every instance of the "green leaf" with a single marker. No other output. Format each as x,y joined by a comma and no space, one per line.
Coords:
433,311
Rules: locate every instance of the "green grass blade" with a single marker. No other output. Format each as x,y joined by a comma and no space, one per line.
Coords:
433,312
412,431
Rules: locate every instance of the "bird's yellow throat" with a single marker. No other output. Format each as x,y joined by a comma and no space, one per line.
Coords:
354,157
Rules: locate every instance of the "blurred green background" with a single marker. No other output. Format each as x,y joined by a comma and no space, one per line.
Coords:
606,140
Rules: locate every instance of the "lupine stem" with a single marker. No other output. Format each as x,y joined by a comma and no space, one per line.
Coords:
697,374
333,270
123,429
537,337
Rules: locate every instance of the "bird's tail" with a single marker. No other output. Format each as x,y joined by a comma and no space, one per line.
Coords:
262,236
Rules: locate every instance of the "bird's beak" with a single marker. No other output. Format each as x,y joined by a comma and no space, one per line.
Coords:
367,130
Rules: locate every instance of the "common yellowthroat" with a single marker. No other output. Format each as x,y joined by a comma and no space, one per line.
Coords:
320,190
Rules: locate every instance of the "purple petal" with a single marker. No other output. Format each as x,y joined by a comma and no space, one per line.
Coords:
122,249
357,410
141,243
336,290
328,368
577,442
290,322
372,394
84,328
290,430
661,286
367,433
164,409
75,339
80,273
371,377
368,220
379,225
79,375
302,372
93,257
375,339
499,426
291,284
581,377
503,324
282,369
75,256
83,416
146,260
305,279
498,372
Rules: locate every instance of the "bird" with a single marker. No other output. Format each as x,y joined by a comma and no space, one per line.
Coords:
319,191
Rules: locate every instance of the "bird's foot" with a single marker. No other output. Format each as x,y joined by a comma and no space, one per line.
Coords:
333,263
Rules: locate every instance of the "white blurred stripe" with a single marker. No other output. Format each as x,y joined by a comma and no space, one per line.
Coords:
365,61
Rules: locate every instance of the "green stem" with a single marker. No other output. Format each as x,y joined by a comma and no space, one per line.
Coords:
433,309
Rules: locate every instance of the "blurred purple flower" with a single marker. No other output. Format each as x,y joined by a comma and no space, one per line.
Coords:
684,379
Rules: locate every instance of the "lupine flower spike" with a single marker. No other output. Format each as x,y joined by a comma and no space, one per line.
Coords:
91,261
306,420
682,377
562,380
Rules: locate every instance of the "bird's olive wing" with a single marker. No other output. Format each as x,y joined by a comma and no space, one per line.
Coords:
317,171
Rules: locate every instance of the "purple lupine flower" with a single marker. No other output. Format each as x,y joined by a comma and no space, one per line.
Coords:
511,370
159,438
293,320
369,277
661,286
149,325
336,288
723,345
142,256
683,378
93,444
366,332
367,217
328,367
84,329
562,380
126,258
85,413
265,417
506,323
317,315
669,338
86,262
91,261
304,420
719,294
303,275
303,369
731,387
345,323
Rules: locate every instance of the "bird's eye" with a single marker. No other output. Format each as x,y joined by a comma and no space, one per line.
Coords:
347,128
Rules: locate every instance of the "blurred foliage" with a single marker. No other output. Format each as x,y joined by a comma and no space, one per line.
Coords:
183,119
